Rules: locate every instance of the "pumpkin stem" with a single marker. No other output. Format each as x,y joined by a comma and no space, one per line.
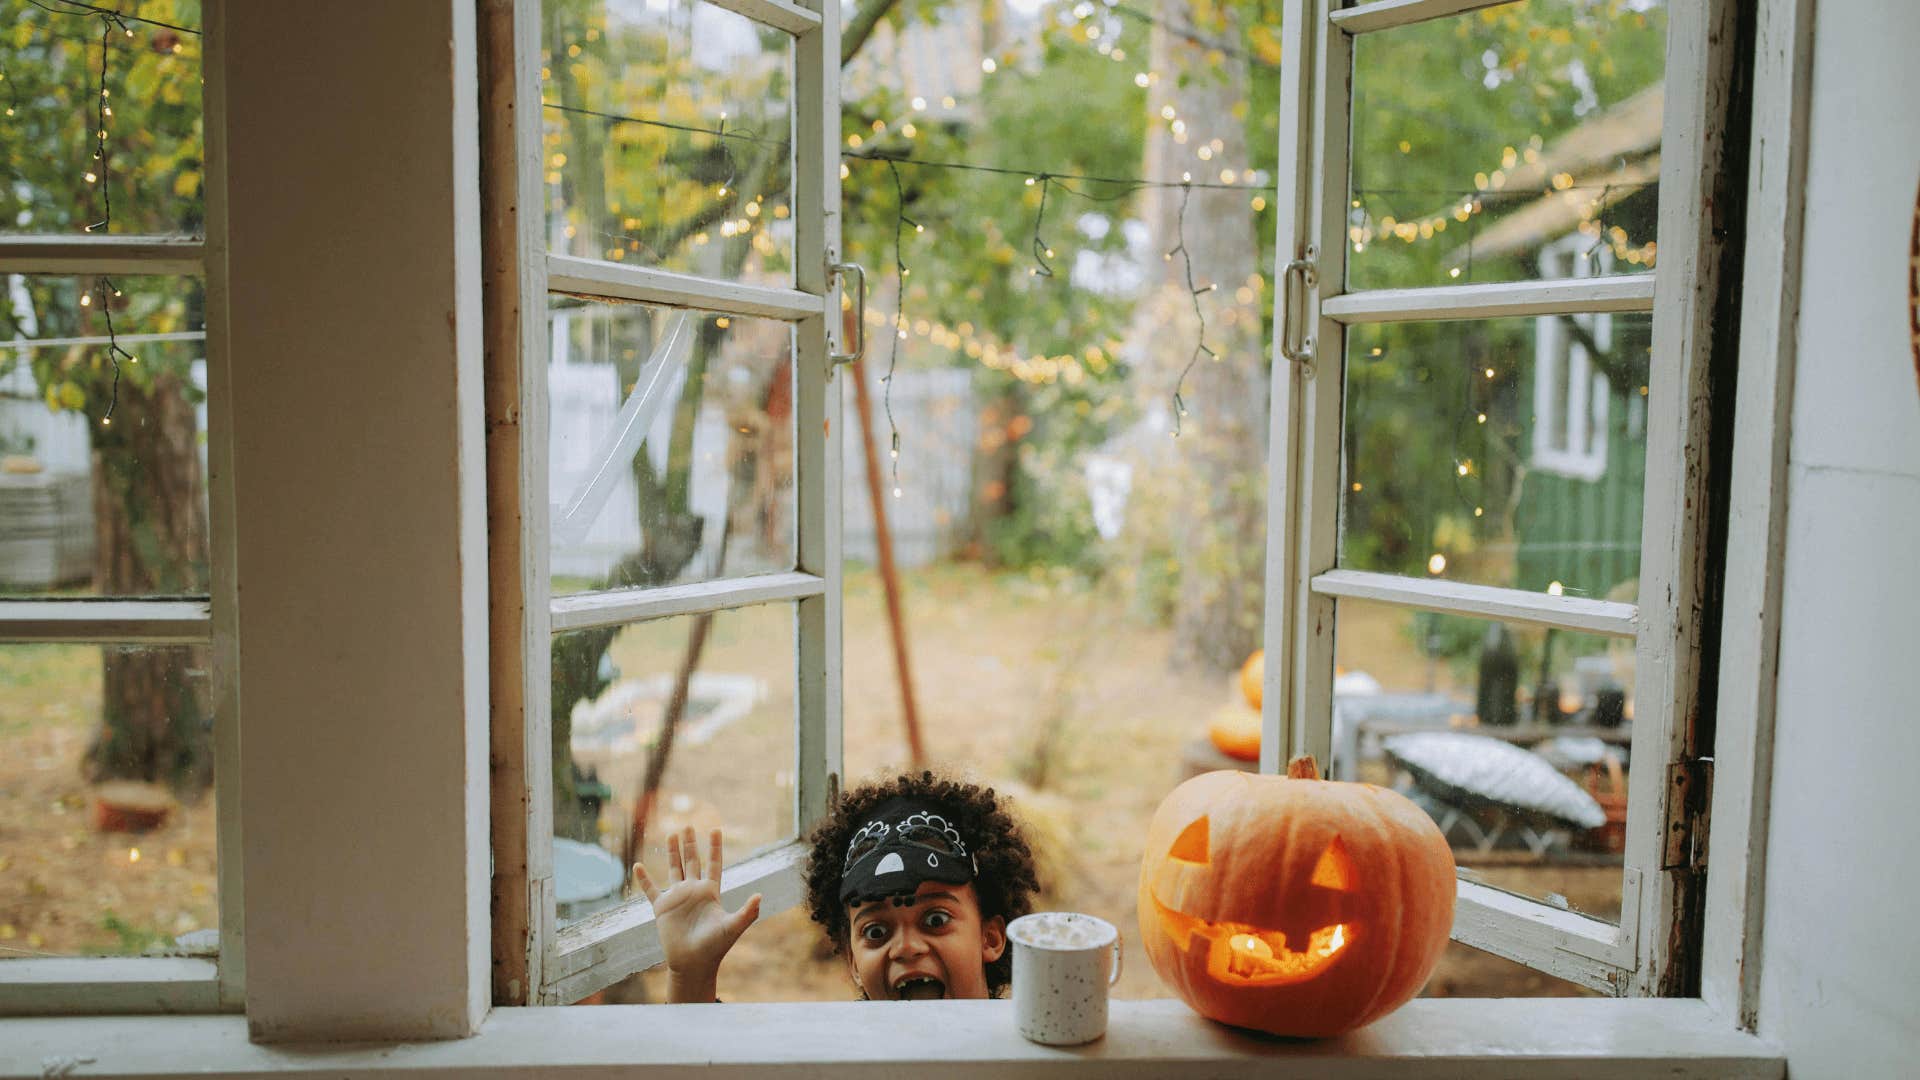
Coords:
1303,768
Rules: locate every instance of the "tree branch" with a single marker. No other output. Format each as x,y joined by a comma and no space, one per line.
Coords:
854,35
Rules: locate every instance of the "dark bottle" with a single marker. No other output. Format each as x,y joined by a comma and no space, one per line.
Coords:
1499,678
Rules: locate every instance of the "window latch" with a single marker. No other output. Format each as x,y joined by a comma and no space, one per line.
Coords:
841,270
1297,279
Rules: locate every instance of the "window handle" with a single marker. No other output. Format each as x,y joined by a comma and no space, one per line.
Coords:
1295,343
840,270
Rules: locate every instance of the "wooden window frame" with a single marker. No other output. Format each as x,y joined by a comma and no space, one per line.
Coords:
64,985
1642,954
536,961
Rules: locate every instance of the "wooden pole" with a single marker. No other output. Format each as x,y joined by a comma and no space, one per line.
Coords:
883,543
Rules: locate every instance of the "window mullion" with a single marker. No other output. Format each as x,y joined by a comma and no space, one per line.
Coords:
116,622
587,611
1624,292
1317,477
90,255
780,14
1575,613
515,278
1664,786
817,427
1387,14
575,276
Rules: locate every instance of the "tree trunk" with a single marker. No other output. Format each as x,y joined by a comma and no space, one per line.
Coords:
1212,478
149,506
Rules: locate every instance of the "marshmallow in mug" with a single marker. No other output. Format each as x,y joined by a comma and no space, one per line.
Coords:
1061,973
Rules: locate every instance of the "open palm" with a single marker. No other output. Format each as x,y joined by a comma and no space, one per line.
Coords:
695,929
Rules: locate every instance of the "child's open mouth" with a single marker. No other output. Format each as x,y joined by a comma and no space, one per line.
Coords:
919,988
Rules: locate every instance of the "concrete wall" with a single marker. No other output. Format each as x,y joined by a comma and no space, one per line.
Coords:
1841,970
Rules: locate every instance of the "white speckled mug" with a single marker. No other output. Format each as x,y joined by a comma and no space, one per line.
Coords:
1061,974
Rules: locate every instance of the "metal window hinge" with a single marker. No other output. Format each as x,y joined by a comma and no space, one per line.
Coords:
1689,793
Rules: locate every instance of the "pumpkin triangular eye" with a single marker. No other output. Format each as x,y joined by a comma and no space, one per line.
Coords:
1192,843
1335,869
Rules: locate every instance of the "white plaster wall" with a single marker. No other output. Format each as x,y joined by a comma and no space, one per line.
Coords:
1840,981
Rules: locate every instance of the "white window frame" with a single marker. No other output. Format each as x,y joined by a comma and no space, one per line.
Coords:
1571,400
55,986
1544,1037
537,961
1636,956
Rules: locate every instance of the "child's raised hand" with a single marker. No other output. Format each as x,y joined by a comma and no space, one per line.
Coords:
695,930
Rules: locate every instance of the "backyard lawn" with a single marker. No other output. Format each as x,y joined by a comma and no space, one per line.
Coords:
1044,686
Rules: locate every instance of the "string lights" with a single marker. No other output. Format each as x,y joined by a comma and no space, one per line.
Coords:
1193,292
99,175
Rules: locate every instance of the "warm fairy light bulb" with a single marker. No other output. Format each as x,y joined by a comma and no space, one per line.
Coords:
86,299
919,228
1464,468
1480,418
1031,181
91,178
1489,373
1455,272
1167,112
919,103
106,421
1479,510
894,454
1437,564
1141,79
896,493
1554,588
1049,253
988,65
1186,178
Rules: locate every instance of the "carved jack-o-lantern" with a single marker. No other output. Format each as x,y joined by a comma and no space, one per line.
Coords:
1292,904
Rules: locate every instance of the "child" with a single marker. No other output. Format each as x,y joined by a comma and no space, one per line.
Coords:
913,879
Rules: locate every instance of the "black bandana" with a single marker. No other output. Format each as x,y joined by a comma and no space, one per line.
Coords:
901,845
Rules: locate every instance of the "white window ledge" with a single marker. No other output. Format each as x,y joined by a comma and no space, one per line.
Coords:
1480,1039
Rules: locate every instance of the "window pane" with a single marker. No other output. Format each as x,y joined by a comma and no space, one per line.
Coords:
106,801
1513,737
103,466
1506,452
671,446
50,113
727,754
1507,144
668,138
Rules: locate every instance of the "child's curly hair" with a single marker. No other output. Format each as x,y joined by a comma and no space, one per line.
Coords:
1006,879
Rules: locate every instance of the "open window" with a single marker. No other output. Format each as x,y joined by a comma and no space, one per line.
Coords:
663,458
119,877
1489,434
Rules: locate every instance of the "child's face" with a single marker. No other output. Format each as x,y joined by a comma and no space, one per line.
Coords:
937,946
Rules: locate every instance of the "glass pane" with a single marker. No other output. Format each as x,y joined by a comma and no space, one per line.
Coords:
671,445
62,177
668,138
103,462
1514,143
723,758
106,802
1506,452
1513,737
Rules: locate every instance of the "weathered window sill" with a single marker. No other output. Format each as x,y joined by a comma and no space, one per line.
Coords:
1476,1038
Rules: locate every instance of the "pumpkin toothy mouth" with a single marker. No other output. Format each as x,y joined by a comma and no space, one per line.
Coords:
1251,956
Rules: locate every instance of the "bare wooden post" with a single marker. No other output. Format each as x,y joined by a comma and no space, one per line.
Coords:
883,543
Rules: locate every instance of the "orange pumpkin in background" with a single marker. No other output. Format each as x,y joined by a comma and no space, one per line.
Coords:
1236,732
1291,904
1253,676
